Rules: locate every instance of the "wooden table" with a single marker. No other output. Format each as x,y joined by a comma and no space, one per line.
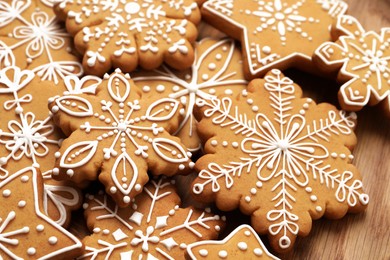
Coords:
361,236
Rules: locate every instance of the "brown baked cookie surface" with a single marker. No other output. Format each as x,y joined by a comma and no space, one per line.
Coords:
125,34
278,157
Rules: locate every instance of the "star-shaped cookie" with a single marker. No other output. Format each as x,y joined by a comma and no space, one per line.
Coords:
26,233
275,33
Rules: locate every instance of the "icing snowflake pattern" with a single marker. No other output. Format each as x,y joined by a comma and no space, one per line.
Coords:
28,140
268,28
363,62
243,243
123,132
131,32
283,151
40,36
154,228
39,237
212,73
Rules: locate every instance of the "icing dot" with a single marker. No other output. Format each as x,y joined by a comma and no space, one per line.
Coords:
137,187
318,208
183,246
22,203
313,198
218,56
126,199
31,251
247,199
259,184
253,191
6,193
247,233
257,251
225,143
242,246
24,178
132,8
160,88
266,50
203,252
212,66
40,228
222,254
214,142
235,144
308,189
106,231
205,77
53,240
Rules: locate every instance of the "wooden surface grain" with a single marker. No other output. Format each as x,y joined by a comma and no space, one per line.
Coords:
361,236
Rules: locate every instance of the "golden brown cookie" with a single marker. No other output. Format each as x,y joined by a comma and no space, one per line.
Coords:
155,227
242,243
28,137
26,233
117,135
31,37
275,33
217,70
361,60
124,34
278,157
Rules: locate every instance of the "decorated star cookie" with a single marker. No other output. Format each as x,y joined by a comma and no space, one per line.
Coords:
280,158
155,227
217,70
26,233
118,135
28,137
32,38
124,34
362,61
275,33
242,243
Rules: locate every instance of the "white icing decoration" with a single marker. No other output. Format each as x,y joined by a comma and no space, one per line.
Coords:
87,147
276,19
281,147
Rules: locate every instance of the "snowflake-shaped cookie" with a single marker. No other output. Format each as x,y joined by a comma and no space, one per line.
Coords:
362,61
242,243
155,227
275,33
217,70
26,233
118,135
28,136
32,37
128,33
280,158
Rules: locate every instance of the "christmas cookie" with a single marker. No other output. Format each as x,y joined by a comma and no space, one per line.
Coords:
117,135
275,33
242,243
361,60
124,34
217,70
32,38
26,233
155,227
28,137
278,157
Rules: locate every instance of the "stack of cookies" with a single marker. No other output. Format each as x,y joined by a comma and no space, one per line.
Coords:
118,111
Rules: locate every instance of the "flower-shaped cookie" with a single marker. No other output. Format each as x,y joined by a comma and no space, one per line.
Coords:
217,70
124,34
242,243
155,227
32,38
361,60
119,135
279,157
26,233
275,33
28,137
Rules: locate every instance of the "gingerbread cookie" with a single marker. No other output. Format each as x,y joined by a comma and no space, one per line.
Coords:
280,158
28,137
118,135
155,227
361,60
26,233
32,38
124,34
217,70
275,33
242,243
